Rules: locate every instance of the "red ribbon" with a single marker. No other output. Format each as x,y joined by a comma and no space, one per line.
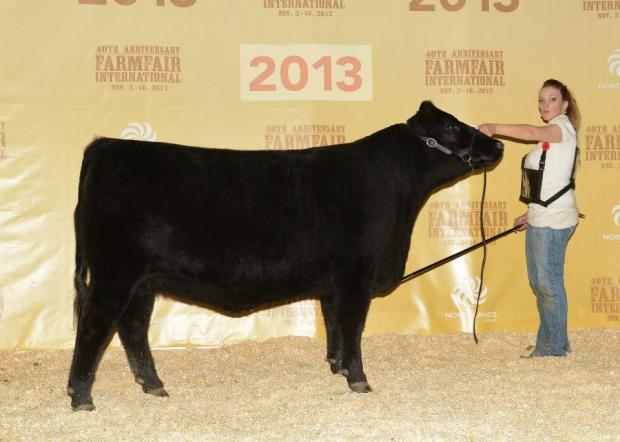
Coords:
545,146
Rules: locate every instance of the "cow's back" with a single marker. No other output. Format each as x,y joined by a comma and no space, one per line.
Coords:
231,224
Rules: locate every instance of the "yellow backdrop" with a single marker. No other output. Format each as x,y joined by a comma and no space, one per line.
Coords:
281,74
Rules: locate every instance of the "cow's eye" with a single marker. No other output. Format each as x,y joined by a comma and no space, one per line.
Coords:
453,128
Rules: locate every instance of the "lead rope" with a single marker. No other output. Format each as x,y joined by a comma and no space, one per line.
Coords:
484,254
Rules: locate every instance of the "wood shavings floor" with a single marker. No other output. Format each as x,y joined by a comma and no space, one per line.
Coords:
441,388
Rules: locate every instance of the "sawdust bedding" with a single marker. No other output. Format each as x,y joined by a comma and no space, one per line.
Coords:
442,387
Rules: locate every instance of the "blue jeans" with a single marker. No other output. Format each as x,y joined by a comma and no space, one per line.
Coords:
545,249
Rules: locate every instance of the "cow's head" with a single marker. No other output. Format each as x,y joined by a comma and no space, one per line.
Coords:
440,130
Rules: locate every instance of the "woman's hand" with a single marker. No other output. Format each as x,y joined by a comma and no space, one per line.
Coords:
521,221
487,129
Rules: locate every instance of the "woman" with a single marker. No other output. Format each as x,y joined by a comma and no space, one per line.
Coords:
549,228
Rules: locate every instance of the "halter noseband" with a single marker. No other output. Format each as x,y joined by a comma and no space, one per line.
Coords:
464,155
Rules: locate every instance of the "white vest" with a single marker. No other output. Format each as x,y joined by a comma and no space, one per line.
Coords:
563,212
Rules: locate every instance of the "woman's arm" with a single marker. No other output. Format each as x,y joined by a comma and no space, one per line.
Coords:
526,132
521,221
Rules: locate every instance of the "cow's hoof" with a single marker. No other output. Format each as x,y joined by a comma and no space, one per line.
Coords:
158,391
360,387
80,402
83,407
335,366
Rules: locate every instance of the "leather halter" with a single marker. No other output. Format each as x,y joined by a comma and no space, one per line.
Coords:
464,155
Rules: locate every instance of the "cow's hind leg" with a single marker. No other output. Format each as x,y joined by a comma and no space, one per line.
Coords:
351,312
334,337
100,312
133,331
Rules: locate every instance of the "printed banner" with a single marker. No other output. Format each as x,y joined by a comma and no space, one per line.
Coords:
292,74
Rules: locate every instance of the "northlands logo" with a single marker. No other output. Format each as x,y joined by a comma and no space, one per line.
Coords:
615,217
139,131
613,64
615,214
465,293
465,296
613,61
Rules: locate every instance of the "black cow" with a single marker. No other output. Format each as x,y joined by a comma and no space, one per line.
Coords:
241,230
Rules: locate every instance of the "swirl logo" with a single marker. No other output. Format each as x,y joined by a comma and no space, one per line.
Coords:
465,293
615,214
139,131
613,61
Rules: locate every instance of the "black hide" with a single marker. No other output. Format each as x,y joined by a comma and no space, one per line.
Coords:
237,230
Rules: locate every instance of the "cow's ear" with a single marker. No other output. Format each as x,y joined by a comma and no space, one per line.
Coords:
426,106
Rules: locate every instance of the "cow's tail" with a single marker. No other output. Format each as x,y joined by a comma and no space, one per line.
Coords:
79,281
80,276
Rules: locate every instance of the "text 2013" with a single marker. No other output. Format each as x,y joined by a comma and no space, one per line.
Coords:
457,5
179,3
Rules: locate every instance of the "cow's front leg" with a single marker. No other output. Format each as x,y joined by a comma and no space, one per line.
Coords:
351,317
334,337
